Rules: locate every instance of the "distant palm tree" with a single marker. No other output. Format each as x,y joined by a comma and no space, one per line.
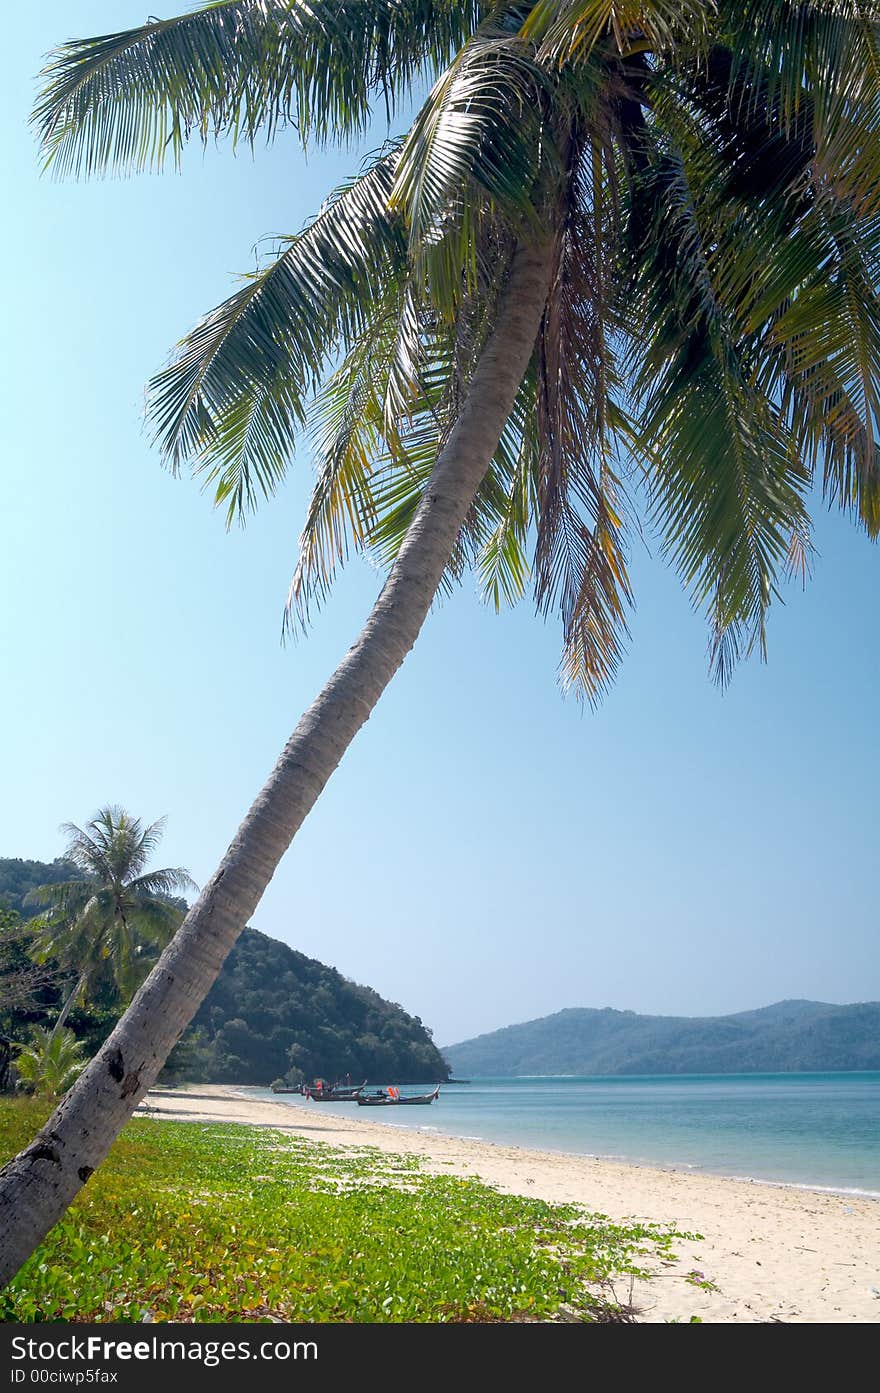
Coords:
51,1062
619,234
101,924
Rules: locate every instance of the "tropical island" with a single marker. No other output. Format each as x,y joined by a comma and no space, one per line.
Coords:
788,1037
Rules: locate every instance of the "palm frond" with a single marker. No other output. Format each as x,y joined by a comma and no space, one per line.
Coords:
728,480
347,438
378,424
86,850
170,880
805,54
151,923
572,29
824,360
797,266
128,101
235,397
580,564
510,504
480,127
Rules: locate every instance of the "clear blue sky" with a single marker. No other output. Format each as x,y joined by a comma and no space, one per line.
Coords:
487,852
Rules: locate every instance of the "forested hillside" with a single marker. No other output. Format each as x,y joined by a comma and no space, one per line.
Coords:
18,878
791,1036
272,1010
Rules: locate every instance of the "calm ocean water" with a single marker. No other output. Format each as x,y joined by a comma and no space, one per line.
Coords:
818,1130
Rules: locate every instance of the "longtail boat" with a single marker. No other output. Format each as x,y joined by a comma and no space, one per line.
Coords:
382,1100
337,1095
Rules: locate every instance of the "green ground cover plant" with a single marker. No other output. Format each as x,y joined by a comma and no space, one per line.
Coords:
193,1222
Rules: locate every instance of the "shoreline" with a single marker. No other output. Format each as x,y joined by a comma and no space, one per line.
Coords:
671,1168
769,1251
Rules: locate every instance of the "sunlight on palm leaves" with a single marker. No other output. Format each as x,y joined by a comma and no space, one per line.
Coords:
711,340
236,68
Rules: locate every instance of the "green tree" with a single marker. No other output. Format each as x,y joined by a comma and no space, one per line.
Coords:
19,878
26,987
616,235
109,922
51,1062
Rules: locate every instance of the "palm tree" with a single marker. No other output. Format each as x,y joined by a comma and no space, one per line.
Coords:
51,1062
104,924
624,248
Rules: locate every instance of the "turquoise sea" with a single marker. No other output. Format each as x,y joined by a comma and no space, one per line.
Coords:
815,1130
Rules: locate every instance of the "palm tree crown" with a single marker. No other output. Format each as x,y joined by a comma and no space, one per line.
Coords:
709,173
100,925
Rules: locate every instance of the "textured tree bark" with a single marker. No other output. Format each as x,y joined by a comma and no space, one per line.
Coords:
39,1184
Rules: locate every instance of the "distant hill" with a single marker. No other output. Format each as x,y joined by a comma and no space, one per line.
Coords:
271,1010
789,1037
18,878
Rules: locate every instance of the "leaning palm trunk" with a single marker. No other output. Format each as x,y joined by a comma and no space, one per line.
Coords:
39,1184
68,1006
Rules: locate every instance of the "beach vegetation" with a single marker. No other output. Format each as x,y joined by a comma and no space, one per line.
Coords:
50,1062
193,1222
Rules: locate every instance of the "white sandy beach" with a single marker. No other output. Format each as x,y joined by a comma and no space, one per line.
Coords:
774,1253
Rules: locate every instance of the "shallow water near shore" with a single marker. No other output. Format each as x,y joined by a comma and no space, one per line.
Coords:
816,1130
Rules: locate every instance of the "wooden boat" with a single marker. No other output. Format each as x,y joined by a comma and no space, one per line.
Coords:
337,1095
375,1101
